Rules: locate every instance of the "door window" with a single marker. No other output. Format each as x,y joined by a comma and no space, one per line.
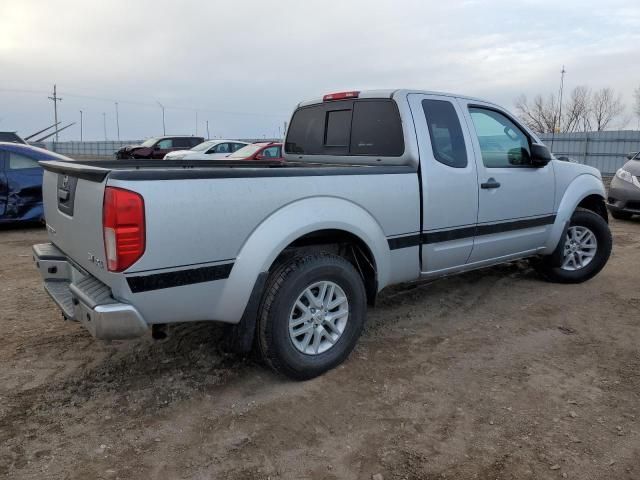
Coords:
182,143
271,152
221,148
21,162
502,143
447,140
237,146
165,144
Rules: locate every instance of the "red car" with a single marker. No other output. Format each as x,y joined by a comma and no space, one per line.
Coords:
269,151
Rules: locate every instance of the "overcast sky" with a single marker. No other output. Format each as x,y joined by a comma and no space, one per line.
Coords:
243,65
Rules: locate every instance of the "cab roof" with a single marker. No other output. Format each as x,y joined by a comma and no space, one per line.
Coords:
392,93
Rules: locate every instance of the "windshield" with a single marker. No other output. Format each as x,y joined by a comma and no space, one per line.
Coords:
204,146
149,142
247,151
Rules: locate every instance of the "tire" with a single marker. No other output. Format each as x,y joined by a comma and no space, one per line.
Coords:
580,220
287,285
621,215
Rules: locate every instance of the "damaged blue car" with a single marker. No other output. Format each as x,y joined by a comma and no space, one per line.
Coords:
21,182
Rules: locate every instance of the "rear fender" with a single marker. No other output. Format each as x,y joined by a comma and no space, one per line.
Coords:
286,225
580,188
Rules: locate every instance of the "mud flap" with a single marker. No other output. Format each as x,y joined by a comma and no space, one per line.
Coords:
555,259
239,337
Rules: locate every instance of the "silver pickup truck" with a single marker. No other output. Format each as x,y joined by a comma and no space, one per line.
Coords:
379,188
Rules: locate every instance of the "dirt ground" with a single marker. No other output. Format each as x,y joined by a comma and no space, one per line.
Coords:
493,374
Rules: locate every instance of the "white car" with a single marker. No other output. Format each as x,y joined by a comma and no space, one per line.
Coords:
209,150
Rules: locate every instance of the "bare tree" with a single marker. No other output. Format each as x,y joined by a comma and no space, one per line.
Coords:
577,110
605,107
540,115
581,111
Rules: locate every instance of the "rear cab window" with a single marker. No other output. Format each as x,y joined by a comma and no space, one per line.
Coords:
370,127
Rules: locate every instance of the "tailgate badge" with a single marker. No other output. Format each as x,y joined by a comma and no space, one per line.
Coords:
96,261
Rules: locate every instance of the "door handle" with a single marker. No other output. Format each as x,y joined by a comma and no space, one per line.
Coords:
491,183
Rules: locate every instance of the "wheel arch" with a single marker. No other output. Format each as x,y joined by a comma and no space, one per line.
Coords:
585,191
323,220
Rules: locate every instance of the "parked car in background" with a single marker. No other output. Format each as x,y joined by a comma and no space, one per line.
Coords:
379,188
271,151
158,147
209,150
11,137
21,181
623,200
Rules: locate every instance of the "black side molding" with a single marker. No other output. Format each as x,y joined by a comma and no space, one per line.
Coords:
177,278
414,239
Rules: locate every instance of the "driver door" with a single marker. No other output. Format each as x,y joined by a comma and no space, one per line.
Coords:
515,198
161,148
4,187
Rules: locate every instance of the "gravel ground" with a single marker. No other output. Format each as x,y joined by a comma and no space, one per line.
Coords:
493,374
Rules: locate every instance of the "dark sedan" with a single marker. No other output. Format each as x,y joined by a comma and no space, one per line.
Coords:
158,147
21,182
624,194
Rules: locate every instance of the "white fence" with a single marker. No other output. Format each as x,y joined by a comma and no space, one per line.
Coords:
607,151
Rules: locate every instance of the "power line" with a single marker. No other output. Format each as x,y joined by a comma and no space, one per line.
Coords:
148,104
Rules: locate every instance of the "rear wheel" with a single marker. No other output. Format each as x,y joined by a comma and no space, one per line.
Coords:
312,315
585,250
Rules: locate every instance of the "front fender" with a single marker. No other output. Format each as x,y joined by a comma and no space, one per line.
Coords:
287,224
579,188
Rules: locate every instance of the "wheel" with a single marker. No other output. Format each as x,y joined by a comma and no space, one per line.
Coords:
621,215
312,314
585,250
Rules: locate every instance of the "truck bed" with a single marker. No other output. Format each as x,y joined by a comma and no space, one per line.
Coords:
98,170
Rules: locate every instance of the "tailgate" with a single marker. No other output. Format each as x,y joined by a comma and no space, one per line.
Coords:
73,212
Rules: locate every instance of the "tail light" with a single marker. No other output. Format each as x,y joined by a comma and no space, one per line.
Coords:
340,96
123,227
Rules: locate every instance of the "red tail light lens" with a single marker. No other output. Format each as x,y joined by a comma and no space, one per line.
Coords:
123,227
340,96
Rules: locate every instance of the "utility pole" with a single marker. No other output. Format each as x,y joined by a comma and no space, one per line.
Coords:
55,99
117,122
284,131
80,125
164,130
553,134
104,125
208,136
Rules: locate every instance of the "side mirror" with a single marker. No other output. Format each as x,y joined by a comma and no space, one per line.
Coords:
540,155
258,157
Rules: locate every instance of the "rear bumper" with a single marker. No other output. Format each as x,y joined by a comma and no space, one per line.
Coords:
84,298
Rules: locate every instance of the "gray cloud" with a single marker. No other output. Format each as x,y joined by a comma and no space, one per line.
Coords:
245,64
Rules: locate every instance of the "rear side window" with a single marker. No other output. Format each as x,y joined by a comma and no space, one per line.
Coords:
361,127
447,140
183,142
20,162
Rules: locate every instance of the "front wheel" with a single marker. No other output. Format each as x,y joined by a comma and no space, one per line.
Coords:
585,250
312,315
